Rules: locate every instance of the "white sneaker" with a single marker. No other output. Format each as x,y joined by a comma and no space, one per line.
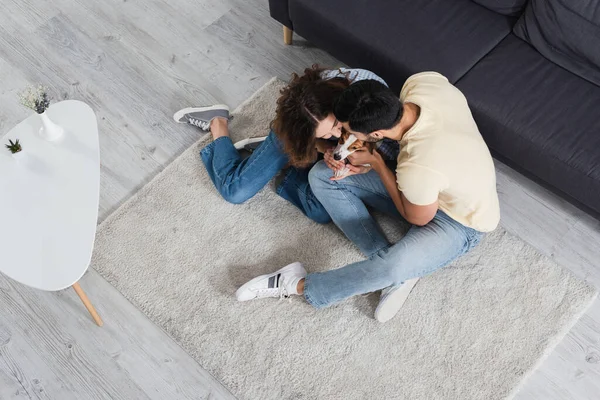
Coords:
249,144
280,284
392,299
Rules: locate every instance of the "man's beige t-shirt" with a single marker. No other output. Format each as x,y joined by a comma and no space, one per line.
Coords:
443,156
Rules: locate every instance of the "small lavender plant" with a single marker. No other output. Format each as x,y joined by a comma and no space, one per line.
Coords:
35,98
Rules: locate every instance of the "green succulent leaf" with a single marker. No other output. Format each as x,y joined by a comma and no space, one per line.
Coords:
14,147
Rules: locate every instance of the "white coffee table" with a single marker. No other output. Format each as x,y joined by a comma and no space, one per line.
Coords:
49,201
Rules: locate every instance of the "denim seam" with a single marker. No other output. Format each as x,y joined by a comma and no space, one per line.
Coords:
376,252
250,164
283,183
299,189
211,146
356,211
473,239
307,297
310,301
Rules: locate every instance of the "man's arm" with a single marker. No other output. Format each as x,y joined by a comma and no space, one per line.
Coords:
415,214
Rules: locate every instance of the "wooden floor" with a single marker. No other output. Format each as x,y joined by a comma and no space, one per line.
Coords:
135,63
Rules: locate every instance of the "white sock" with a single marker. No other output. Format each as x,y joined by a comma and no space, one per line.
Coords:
292,284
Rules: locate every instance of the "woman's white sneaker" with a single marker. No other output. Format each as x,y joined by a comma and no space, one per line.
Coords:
249,144
282,283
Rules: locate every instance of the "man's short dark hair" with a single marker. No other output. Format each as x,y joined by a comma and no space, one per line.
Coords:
368,106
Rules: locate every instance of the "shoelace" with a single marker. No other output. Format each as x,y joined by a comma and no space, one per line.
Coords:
204,125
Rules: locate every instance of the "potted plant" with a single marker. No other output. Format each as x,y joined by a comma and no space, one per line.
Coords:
37,99
15,148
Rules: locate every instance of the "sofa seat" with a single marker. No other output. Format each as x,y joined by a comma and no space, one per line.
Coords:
539,117
399,38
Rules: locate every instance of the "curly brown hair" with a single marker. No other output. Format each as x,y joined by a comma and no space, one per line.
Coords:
304,102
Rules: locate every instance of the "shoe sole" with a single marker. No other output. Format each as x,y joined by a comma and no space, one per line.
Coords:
179,114
398,297
293,266
245,142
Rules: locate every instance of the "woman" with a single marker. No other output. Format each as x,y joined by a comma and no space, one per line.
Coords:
303,124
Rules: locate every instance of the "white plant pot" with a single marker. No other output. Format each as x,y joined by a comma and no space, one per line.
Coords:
49,130
18,155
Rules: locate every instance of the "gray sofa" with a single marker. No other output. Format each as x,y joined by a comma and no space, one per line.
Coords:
529,69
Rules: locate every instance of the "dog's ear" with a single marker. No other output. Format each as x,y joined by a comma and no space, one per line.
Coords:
371,147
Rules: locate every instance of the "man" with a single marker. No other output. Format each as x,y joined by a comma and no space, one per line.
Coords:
444,186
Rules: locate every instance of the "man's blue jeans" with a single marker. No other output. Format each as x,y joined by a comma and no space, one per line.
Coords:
238,180
420,252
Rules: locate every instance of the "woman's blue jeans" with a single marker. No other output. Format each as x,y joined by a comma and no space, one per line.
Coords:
238,180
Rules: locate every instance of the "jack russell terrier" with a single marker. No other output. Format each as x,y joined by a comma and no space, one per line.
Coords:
348,144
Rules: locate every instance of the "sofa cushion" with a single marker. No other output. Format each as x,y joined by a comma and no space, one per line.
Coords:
505,7
539,116
398,38
566,32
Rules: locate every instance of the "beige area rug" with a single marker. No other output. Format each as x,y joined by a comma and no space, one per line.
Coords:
473,330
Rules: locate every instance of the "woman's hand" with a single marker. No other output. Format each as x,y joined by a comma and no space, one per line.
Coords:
352,170
331,163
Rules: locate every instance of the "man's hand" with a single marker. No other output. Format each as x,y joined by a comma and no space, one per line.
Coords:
363,156
357,159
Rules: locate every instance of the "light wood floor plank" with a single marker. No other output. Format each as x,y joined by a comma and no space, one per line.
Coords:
128,358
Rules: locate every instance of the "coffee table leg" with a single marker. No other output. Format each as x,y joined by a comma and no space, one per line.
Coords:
87,304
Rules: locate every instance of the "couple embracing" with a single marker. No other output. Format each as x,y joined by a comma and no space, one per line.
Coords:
431,168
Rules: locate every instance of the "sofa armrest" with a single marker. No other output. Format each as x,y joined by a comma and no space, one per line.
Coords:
279,10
